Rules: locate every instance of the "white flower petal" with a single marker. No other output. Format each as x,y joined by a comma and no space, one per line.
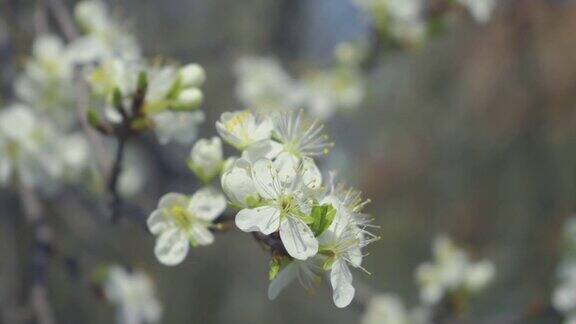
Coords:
172,246
341,280
298,239
201,235
266,148
158,221
287,165
238,185
265,219
265,178
282,280
311,175
170,199
207,204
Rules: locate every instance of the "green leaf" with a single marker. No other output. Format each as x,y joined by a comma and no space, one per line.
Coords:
93,118
323,216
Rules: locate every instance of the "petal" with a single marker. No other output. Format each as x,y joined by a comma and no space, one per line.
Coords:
287,165
158,221
341,280
207,204
171,246
355,256
282,280
263,130
171,199
311,175
201,235
265,219
298,239
265,178
262,149
237,183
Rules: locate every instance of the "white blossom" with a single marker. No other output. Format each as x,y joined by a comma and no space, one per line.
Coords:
285,208
181,221
242,128
206,158
481,10
264,85
134,295
178,126
238,185
451,270
27,147
385,309
103,38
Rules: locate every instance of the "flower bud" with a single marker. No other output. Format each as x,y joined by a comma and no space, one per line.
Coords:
192,75
206,158
190,98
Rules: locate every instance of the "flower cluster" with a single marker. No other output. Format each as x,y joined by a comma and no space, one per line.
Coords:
452,272
407,22
278,189
134,295
40,141
564,296
168,104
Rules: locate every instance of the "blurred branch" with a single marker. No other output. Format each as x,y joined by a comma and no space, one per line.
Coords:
41,18
64,19
39,300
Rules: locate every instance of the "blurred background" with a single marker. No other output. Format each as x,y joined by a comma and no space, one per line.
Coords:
473,135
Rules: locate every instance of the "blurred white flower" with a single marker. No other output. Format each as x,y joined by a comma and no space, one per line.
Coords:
481,10
451,270
206,158
264,85
330,90
27,147
181,221
75,154
285,207
385,309
46,80
242,128
403,19
134,295
103,38
178,126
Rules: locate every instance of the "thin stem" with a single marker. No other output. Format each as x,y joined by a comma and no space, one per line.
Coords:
116,172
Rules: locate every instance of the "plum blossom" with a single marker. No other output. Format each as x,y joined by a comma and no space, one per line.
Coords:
181,221
243,128
481,10
206,158
285,207
27,147
264,85
452,270
389,309
134,295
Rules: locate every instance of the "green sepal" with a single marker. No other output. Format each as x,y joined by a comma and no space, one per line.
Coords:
142,81
117,99
274,268
323,216
93,118
328,264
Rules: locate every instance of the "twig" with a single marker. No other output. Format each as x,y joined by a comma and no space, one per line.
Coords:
41,18
64,19
42,252
116,172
